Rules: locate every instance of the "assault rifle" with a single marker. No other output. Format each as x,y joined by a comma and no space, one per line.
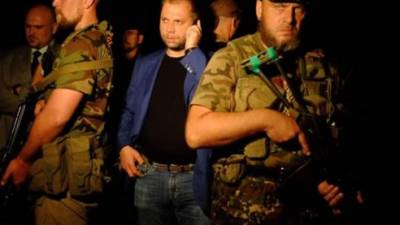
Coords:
16,139
298,187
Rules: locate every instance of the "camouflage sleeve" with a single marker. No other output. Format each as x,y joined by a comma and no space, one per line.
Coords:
216,87
81,49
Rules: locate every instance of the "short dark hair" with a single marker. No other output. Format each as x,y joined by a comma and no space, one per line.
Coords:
45,5
193,3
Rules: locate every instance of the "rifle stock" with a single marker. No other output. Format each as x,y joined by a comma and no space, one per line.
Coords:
298,187
16,139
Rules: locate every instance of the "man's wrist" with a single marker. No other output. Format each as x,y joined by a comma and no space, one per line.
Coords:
189,50
23,160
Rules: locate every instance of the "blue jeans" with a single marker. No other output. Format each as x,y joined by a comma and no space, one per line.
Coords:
162,197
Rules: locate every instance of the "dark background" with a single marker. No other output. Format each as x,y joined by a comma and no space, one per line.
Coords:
335,24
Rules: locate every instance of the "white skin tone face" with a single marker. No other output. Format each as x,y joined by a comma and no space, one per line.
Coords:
175,20
280,23
69,12
40,27
131,39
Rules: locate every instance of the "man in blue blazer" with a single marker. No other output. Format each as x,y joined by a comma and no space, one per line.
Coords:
151,133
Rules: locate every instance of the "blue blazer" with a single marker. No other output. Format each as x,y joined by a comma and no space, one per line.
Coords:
137,102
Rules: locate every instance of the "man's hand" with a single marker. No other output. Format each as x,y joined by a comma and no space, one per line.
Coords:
285,128
193,36
331,194
17,89
130,158
18,170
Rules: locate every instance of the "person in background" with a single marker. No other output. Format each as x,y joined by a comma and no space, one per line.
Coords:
118,193
18,65
227,15
131,40
126,54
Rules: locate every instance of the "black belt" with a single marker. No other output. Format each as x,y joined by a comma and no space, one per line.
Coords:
173,168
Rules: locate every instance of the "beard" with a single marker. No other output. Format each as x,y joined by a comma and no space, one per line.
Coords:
129,48
63,22
286,45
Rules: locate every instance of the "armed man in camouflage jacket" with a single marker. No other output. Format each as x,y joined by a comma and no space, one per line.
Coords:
63,152
235,111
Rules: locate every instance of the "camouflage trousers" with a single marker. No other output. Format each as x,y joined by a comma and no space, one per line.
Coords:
65,211
251,200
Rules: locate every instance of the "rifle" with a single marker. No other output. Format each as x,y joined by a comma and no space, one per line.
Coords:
16,139
296,187
25,115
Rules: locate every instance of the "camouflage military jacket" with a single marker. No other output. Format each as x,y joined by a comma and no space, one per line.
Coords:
86,45
228,87
73,162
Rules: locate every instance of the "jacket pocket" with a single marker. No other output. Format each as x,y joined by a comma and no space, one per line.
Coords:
49,173
230,170
86,166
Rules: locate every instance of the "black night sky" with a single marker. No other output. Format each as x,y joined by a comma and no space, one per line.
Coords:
333,24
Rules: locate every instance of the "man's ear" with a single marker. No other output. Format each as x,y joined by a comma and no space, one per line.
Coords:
259,9
54,28
233,24
236,22
141,37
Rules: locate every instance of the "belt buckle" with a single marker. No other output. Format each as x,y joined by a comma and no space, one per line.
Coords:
174,168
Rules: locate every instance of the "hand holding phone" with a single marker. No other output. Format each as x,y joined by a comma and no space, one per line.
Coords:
193,35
